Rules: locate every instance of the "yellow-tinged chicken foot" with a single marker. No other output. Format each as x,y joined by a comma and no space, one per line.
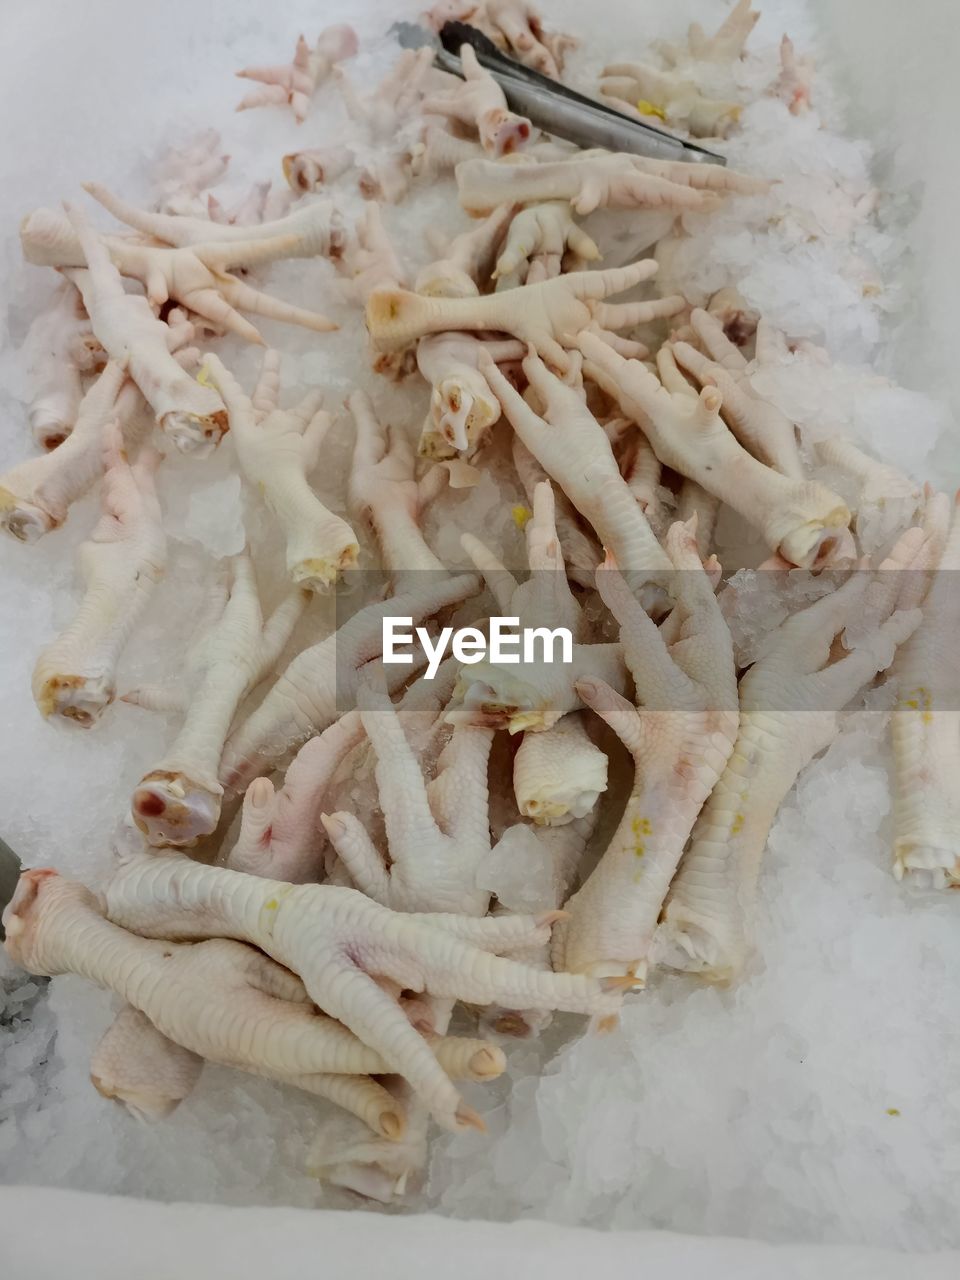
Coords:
336,939
789,700
178,800
75,675
680,735
802,520
277,450
926,721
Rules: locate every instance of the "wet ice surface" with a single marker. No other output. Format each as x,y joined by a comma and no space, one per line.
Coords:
819,1099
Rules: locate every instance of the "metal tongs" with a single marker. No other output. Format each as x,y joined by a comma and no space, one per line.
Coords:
552,106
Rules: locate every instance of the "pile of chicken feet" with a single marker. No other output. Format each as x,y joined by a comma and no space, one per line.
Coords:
321,936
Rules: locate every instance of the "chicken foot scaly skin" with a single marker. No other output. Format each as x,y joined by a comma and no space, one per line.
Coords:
544,315
196,276
641,469
56,926
559,774
314,167
538,238
337,941
789,704
565,847
674,97
532,695
354,785
122,562
372,261
193,416
438,837
601,179
58,350
888,501
462,406
437,834
141,1068
36,495
279,830
693,500
458,836
489,691
467,264
305,699
801,520
581,553
178,801
383,490
926,724
316,230
758,425
440,151
295,83
680,735
480,103
277,449
545,598
574,450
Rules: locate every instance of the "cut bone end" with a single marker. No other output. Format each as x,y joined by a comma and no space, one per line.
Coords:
689,947
557,808
49,427
194,435
392,1125
302,172
22,520
16,916
487,1064
81,700
50,438
321,573
489,708
368,1180
633,973
503,134
928,866
819,543
519,1024
170,809
393,316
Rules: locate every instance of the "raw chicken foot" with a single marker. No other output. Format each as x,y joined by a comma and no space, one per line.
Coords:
277,450
178,801
789,700
680,735
335,939
122,562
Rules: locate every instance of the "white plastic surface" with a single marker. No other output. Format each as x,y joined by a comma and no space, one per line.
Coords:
52,1235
